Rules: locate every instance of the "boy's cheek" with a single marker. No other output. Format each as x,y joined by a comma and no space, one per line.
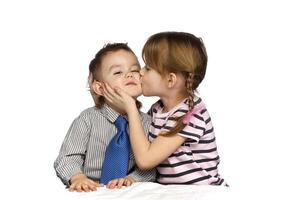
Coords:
115,83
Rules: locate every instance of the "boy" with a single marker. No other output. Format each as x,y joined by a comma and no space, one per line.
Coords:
81,158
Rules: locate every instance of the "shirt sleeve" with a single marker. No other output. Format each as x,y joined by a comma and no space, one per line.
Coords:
146,121
195,129
72,153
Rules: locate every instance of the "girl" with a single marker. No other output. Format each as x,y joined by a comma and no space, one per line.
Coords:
181,138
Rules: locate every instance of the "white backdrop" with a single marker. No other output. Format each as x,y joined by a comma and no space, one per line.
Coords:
252,86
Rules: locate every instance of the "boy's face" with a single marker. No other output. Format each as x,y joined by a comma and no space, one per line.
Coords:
121,68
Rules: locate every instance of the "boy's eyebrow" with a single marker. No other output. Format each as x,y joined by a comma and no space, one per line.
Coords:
116,66
135,64
113,66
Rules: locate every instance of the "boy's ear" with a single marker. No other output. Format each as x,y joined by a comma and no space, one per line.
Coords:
97,88
171,80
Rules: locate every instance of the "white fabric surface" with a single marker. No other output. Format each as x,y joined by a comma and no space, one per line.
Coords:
154,191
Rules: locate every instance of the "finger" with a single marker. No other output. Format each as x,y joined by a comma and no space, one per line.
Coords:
96,184
120,183
112,184
71,188
119,91
128,182
78,188
86,188
105,88
92,187
107,96
108,93
111,91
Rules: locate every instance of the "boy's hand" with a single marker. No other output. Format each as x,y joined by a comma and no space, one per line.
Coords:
81,183
119,98
118,183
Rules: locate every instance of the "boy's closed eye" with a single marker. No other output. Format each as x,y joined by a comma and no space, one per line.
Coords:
136,71
117,73
121,72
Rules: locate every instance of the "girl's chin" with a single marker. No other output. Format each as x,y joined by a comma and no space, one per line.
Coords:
146,94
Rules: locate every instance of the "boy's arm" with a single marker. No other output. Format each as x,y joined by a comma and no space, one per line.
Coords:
72,153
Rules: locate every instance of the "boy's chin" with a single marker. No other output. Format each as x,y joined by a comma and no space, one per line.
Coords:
134,94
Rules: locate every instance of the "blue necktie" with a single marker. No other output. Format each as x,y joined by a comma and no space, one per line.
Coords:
115,164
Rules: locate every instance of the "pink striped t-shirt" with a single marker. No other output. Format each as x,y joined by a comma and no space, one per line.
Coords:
196,160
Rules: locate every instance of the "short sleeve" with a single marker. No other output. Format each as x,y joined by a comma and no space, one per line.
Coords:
195,129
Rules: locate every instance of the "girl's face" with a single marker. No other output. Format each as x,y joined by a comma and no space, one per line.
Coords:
121,68
153,84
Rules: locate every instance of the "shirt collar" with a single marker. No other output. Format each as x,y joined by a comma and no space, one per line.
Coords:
109,113
182,105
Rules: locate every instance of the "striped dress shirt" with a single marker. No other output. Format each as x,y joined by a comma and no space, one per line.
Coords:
196,160
84,146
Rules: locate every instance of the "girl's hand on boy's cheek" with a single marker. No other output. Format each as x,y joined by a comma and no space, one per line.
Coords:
110,94
119,98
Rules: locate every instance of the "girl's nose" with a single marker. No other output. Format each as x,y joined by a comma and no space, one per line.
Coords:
142,71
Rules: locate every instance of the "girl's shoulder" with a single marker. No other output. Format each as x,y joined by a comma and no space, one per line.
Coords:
155,107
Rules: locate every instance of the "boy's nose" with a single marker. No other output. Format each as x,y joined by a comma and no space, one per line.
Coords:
129,74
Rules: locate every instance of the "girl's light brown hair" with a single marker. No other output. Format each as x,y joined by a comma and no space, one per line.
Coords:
96,64
177,52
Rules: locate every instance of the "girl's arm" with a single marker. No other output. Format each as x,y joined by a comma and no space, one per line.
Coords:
147,154
150,154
